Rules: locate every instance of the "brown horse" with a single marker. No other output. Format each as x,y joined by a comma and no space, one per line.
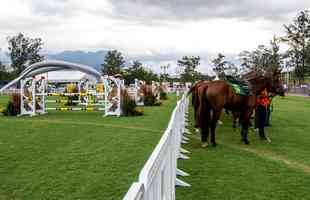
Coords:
216,95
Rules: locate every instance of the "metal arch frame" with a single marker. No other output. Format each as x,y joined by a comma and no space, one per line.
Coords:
50,66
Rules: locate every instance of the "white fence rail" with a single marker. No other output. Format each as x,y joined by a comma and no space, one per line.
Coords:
157,179
10,91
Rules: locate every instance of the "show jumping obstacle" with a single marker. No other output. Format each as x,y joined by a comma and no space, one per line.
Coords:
134,91
34,92
91,100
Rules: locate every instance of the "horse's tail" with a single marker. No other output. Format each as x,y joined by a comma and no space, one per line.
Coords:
191,90
195,104
194,87
202,115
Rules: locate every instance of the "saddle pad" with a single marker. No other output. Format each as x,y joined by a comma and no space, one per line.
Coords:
239,90
238,87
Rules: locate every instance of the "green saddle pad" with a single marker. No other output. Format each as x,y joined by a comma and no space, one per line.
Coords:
239,88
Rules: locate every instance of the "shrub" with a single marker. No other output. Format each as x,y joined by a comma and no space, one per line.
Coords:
149,100
157,103
1,109
130,108
13,106
163,96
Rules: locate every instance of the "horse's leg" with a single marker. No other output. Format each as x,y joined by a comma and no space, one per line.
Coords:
244,134
205,135
195,102
196,115
234,120
245,127
203,117
215,118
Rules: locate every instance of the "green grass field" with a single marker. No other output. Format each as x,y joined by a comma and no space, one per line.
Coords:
76,155
3,101
81,155
232,170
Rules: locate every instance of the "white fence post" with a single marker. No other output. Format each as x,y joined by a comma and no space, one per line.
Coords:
157,179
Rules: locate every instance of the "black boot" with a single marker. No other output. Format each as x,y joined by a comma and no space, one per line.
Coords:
262,134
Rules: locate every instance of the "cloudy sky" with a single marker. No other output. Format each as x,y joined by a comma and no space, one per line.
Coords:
157,30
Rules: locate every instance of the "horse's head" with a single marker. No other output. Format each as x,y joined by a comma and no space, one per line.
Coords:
269,79
276,83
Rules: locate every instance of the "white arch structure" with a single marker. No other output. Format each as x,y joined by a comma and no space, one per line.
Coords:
53,65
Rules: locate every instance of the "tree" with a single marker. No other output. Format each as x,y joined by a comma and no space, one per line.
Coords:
219,66
4,74
260,58
298,39
307,61
222,67
24,51
164,76
232,70
113,63
245,61
188,65
276,59
150,76
263,58
133,72
201,76
137,71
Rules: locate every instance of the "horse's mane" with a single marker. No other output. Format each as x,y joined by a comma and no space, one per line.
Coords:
256,78
256,75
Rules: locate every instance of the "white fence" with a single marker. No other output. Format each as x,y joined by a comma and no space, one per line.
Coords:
10,91
157,179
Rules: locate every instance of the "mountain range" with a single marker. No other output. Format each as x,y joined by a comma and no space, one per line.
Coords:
93,59
3,57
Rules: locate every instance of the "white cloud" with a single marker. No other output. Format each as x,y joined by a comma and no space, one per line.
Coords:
97,24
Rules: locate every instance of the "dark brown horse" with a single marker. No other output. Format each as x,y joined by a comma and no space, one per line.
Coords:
216,95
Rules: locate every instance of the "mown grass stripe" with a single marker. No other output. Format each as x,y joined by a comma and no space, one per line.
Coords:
266,155
98,124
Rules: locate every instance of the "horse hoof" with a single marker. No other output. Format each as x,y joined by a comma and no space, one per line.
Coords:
204,144
196,130
214,144
219,122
